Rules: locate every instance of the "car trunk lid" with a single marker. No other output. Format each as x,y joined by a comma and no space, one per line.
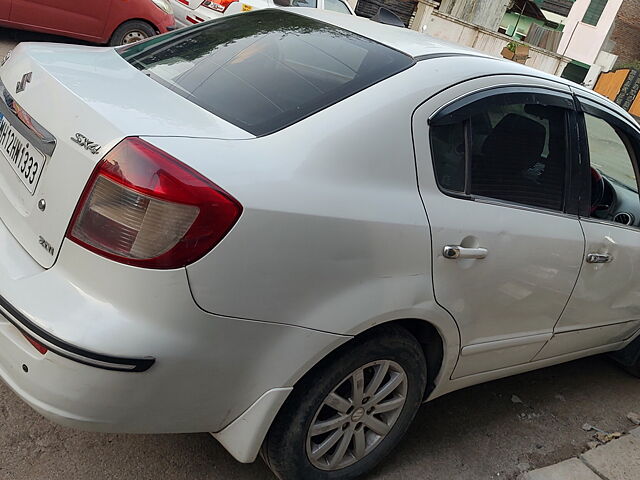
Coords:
66,106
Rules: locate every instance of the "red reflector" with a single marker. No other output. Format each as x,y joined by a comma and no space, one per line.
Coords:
192,20
36,344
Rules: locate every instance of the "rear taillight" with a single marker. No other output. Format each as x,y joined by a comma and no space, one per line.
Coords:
145,208
217,5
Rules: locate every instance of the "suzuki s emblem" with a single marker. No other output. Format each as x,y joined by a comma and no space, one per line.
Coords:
86,143
22,84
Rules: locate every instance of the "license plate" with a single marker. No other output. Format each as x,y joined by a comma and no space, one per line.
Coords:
25,160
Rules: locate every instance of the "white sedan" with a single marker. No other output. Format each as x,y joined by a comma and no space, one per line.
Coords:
292,227
191,12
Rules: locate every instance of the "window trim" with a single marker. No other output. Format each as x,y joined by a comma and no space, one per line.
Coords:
460,109
630,137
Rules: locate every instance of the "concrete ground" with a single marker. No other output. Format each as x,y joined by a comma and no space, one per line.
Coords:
483,432
617,460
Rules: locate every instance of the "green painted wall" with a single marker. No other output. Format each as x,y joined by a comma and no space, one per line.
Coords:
510,19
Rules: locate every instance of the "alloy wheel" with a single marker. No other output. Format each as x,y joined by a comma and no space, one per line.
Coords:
357,415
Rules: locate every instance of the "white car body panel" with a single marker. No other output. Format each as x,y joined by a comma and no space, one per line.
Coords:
256,290
340,232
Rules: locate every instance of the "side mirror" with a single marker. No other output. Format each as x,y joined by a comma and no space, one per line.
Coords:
387,17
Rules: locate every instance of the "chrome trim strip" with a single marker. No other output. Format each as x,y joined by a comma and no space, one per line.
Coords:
528,208
582,328
476,348
28,127
609,223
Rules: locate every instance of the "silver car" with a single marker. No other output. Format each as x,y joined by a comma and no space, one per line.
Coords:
291,228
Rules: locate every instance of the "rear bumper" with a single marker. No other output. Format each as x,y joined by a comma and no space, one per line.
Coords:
69,351
208,369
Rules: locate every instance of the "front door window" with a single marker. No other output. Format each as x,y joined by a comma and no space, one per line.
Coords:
614,186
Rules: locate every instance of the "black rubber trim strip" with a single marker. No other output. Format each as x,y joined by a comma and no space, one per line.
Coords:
72,352
430,56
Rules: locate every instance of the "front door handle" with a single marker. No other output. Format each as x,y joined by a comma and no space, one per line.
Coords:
599,258
456,251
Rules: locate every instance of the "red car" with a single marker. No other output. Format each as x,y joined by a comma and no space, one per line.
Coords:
113,22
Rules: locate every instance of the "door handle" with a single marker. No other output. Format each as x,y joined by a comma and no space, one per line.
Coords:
599,258
456,251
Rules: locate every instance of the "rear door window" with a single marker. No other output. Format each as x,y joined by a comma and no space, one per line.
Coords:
268,69
514,152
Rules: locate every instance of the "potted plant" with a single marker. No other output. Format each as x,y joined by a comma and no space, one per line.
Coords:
518,52
509,51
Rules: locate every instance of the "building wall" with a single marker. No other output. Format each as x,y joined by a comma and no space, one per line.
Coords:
626,32
484,13
445,27
524,23
582,41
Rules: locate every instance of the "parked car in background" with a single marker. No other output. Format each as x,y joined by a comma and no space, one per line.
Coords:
292,227
114,22
190,12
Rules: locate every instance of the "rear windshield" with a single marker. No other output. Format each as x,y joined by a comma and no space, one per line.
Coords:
267,69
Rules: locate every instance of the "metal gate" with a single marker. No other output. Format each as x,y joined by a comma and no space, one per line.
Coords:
623,87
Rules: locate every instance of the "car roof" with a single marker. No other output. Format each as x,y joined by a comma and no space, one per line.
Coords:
408,41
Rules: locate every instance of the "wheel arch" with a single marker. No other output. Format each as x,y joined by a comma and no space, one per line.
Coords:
439,341
438,337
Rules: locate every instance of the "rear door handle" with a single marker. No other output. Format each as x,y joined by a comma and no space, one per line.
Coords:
456,251
599,258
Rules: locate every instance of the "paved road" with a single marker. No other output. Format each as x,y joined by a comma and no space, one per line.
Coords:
477,433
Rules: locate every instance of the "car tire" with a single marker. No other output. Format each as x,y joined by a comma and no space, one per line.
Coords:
296,445
131,32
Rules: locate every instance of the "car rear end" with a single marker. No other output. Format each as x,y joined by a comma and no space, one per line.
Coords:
98,326
149,160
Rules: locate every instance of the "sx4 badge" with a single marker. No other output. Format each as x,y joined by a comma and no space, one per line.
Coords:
86,143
